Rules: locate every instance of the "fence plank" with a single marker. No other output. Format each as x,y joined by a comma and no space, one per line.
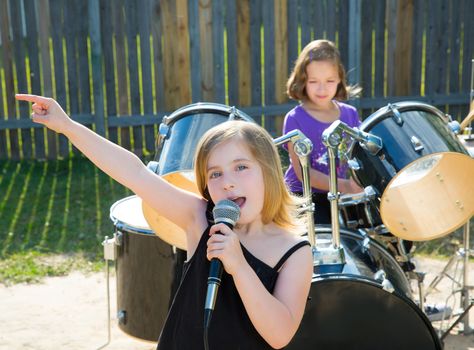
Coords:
232,52
281,60
305,22
195,52
133,71
292,25
343,31
46,67
35,73
121,69
417,47
96,65
9,83
244,54
269,55
21,78
71,28
57,31
403,45
367,13
107,34
157,34
379,85
454,51
218,50
468,54
255,9
144,12
207,58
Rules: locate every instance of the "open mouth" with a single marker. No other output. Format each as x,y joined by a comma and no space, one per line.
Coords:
240,201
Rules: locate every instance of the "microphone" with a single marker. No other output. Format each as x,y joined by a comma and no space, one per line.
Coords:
227,212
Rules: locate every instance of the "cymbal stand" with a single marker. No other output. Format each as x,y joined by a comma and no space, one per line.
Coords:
325,259
460,282
303,147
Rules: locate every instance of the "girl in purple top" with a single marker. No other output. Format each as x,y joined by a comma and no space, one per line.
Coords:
318,82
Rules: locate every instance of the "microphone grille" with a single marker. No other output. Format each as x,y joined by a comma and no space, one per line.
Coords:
226,211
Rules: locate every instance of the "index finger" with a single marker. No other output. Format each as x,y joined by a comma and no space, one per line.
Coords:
33,98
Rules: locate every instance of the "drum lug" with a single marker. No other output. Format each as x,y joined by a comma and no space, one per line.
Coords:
381,276
454,126
354,164
163,132
122,317
397,117
232,113
417,144
118,238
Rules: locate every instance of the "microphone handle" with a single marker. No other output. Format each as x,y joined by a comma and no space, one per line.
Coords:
213,283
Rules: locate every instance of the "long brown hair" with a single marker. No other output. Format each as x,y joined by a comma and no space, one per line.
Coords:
318,50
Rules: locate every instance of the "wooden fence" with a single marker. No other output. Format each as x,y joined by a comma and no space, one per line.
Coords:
121,65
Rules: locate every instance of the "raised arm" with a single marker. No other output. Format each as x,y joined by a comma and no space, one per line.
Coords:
122,165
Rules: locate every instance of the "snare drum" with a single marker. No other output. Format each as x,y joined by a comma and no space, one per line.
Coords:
148,271
358,211
178,137
367,306
422,175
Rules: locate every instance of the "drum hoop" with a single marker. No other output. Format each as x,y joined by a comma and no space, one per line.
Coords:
122,225
403,106
326,278
205,107
373,242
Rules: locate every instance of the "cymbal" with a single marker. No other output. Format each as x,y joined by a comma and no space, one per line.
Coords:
430,197
163,228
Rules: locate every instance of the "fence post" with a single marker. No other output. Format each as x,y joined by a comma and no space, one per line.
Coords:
96,63
353,68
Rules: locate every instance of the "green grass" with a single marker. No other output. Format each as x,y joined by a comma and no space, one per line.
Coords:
54,216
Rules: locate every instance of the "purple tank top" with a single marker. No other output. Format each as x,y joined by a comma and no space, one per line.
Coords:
298,118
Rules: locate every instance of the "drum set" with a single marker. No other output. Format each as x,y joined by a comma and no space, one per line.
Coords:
417,179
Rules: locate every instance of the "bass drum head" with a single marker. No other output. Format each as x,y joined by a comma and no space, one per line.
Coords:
352,312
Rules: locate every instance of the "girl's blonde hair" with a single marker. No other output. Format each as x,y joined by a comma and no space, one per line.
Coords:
318,50
279,206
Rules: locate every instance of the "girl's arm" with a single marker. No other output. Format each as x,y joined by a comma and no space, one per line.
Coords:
277,316
320,180
122,165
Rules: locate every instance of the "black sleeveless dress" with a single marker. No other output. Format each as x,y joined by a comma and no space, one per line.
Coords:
230,326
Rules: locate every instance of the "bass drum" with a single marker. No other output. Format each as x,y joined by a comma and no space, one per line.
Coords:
148,271
352,310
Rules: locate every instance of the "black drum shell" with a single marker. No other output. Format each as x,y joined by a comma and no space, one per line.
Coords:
148,271
425,122
351,310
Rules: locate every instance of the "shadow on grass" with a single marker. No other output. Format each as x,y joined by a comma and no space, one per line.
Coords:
53,208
